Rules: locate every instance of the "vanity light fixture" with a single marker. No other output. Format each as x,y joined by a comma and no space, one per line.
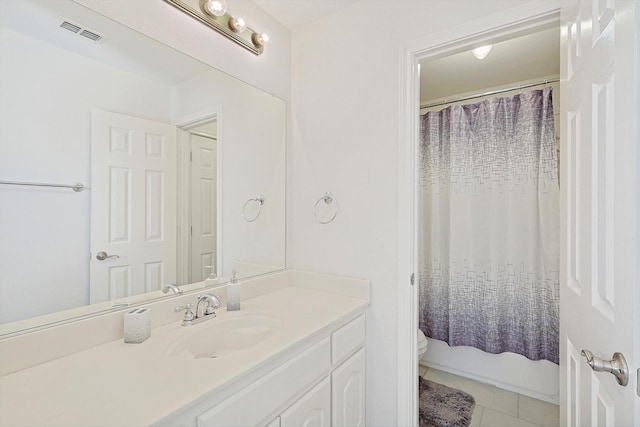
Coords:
482,51
213,13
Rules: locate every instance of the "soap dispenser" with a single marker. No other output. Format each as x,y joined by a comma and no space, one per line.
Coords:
212,278
233,293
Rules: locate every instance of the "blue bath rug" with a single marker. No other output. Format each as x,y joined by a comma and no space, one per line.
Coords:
442,406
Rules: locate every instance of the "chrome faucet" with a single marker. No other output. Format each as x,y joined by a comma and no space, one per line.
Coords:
213,303
207,312
172,286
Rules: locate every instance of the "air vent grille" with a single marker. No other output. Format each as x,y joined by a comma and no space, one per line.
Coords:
91,36
71,27
75,28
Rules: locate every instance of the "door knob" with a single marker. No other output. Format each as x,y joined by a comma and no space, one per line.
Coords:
617,366
102,255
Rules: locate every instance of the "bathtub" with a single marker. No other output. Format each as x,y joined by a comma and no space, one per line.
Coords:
510,371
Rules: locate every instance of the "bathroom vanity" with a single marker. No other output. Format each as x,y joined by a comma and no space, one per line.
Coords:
294,353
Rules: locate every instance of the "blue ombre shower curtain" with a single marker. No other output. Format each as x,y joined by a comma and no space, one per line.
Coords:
489,226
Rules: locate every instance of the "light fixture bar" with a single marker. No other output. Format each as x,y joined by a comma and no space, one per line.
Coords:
221,24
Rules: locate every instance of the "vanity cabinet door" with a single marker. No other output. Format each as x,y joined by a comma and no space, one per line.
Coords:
311,410
348,392
253,404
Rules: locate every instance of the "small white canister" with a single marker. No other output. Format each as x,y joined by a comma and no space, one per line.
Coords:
137,325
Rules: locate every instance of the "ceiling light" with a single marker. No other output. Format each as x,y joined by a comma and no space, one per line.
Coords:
216,7
482,51
237,24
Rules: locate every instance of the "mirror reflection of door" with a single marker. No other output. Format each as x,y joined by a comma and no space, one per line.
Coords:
133,199
203,202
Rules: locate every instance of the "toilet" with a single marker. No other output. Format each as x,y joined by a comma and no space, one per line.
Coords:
422,345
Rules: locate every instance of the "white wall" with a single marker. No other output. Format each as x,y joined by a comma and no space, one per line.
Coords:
45,232
346,103
251,134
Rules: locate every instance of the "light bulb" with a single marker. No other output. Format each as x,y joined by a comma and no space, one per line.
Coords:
482,51
216,7
237,24
259,39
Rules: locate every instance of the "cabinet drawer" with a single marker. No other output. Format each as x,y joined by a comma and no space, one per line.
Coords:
256,402
347,340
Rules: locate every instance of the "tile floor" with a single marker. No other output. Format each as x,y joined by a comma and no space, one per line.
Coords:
496,407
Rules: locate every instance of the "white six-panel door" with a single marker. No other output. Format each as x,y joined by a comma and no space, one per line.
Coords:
133,205
599,297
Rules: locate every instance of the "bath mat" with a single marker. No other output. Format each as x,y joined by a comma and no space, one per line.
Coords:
442,406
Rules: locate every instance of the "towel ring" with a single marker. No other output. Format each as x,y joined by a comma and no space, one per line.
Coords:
260,201
328,199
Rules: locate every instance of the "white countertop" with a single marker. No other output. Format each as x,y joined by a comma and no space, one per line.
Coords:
118,384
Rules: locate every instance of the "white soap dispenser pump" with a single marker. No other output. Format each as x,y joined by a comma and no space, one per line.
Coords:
233,293
212,278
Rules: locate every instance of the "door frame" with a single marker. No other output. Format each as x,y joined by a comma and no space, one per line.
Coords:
184,125
491,29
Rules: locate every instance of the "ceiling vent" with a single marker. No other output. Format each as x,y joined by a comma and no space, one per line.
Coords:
71,27
74,28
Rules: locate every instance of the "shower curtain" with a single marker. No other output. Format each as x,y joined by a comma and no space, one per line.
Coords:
489,214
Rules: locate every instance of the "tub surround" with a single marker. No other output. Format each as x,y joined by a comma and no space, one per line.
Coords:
122,384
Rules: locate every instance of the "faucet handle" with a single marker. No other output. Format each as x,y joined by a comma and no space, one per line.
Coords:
188,314
187,307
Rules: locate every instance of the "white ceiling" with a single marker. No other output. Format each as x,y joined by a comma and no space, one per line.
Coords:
528,57
297,13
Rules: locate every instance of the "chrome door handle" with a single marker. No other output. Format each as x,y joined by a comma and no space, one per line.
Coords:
617,366
102,255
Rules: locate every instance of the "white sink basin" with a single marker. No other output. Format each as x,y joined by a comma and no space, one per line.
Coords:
224,335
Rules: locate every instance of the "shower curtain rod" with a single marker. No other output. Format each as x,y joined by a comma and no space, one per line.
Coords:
492,92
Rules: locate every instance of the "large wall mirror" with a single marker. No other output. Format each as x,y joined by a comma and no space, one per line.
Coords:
185,167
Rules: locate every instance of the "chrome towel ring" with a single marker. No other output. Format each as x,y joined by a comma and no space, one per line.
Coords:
328,199
260,201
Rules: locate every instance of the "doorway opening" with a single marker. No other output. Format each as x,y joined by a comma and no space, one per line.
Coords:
490,31
519,75
199,200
